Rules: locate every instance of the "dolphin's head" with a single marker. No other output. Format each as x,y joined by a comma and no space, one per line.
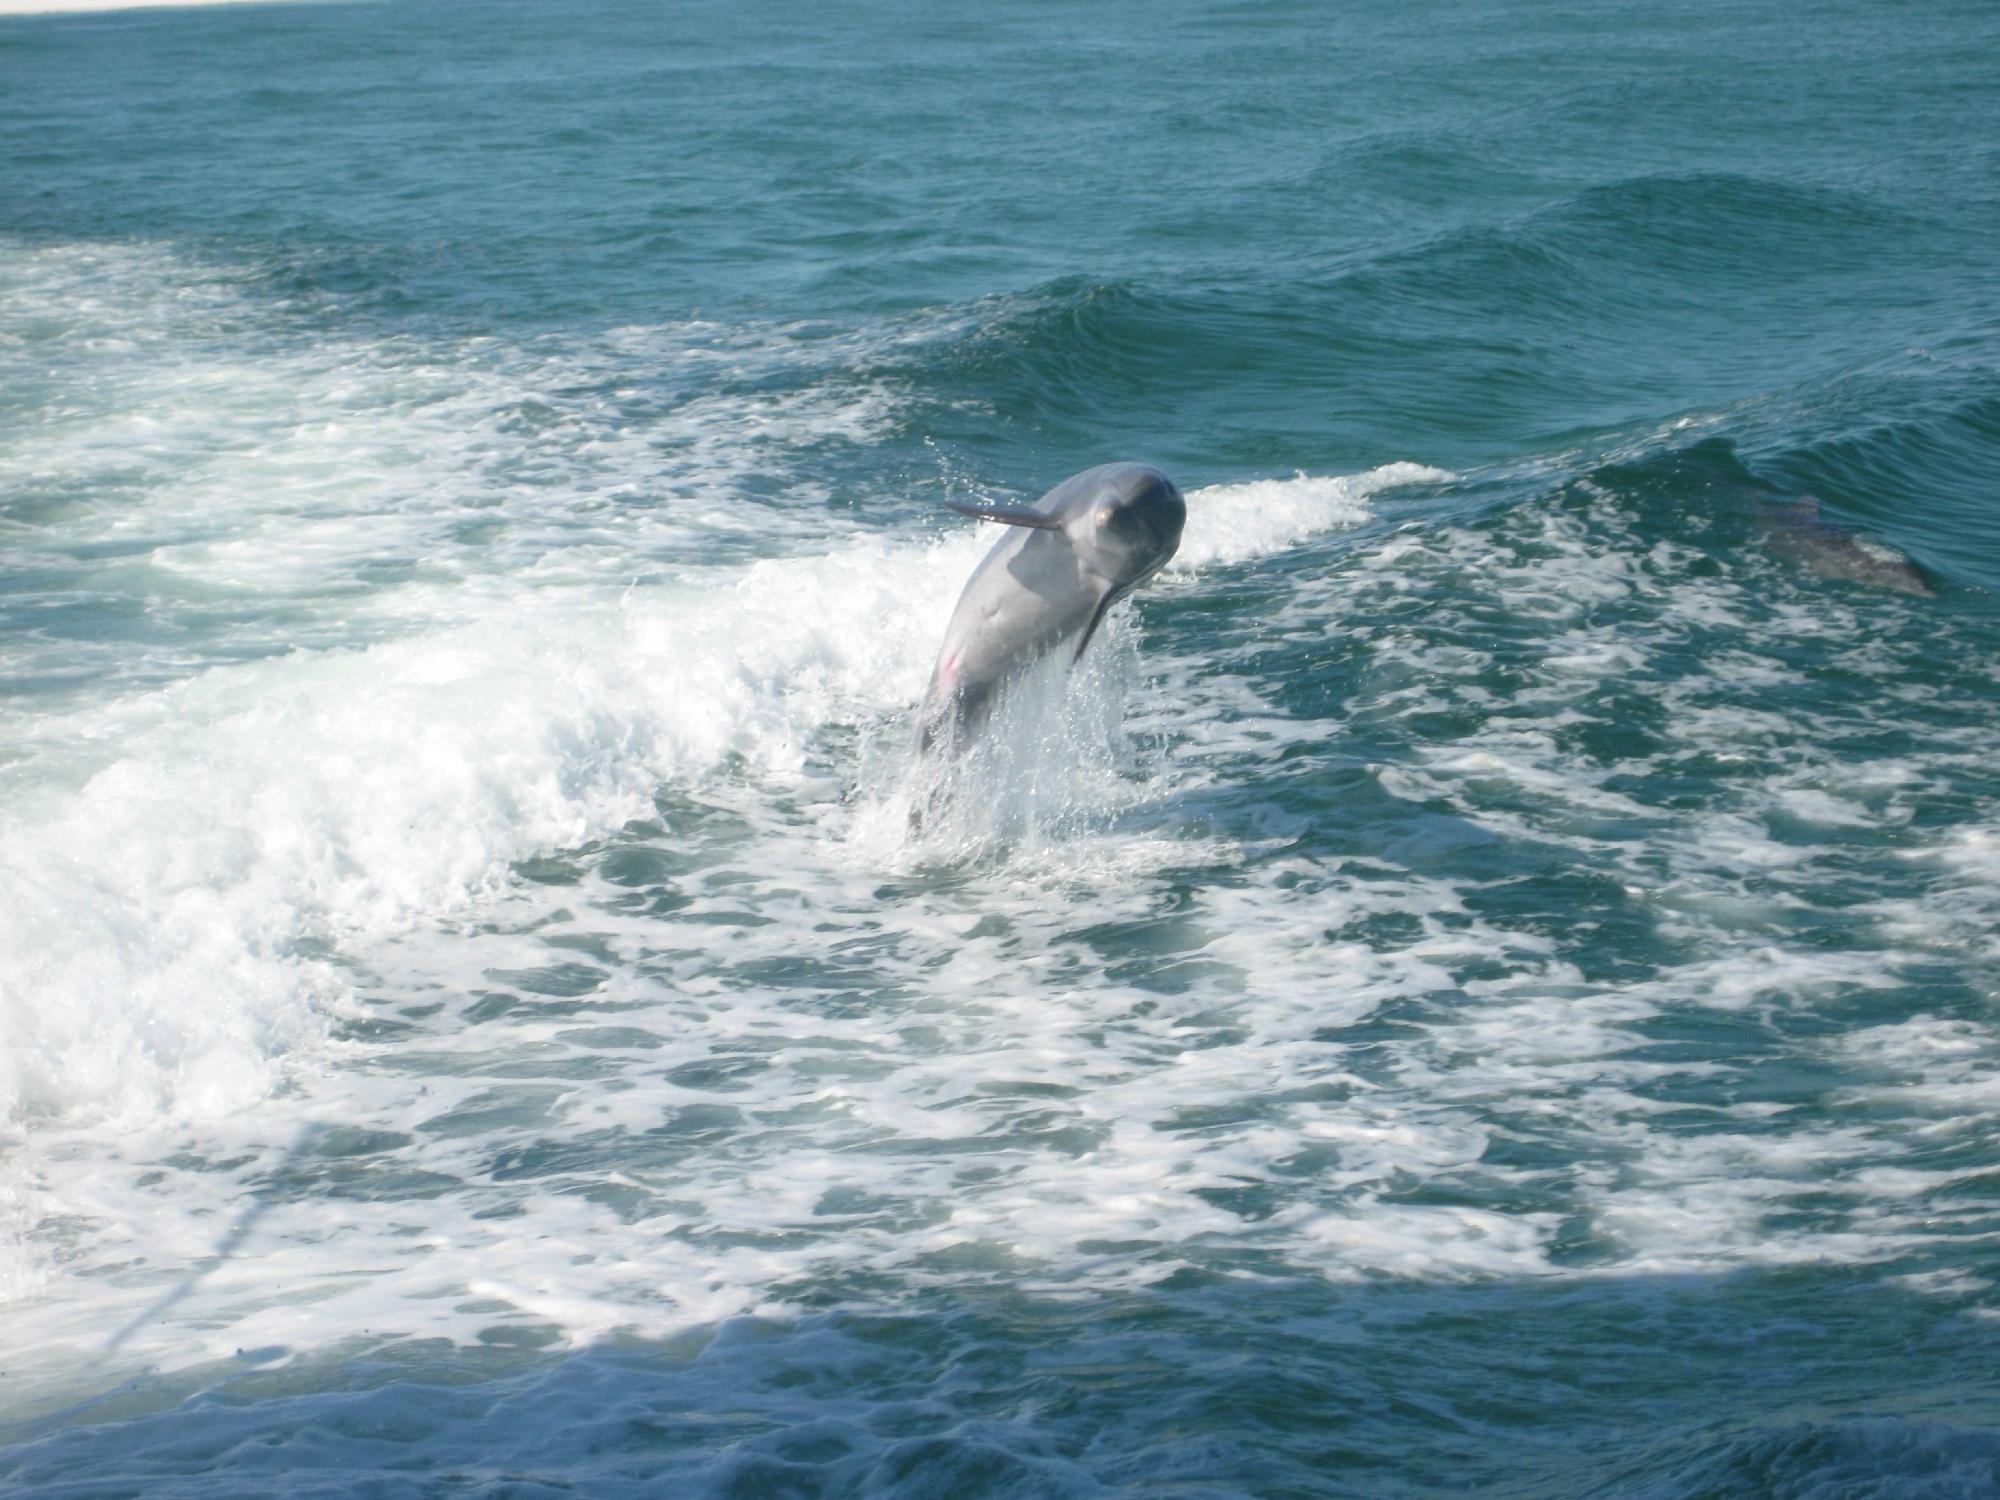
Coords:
1129,520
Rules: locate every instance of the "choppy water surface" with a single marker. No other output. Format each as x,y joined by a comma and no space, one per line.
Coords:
1485,982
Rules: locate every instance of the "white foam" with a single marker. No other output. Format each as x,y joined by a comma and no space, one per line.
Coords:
182,851
265,492
153,961
1231,523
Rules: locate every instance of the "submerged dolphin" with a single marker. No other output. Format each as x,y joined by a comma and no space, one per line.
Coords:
1063,563
1794,530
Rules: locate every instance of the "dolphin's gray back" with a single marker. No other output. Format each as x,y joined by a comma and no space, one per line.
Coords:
1081,490
1794,529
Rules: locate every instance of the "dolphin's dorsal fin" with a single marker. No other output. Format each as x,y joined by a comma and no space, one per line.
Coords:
1009,515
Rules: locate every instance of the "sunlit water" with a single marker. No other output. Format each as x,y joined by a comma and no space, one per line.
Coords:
1484,981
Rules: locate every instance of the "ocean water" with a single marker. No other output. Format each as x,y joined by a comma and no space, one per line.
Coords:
1484,982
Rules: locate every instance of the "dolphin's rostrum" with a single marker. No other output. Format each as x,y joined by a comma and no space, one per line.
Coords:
1049,581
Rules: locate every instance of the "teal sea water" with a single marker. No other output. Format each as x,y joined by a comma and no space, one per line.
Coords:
1483,983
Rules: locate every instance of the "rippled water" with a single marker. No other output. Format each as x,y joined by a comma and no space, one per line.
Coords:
1483,982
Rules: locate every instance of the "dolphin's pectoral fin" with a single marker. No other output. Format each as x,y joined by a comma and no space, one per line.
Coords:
1008,515
1111,597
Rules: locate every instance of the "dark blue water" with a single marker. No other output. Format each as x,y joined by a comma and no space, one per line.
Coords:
1483,982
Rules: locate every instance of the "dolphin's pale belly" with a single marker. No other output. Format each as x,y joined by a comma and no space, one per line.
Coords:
1000,628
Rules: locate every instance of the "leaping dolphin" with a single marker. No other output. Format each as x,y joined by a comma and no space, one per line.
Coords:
1062,564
